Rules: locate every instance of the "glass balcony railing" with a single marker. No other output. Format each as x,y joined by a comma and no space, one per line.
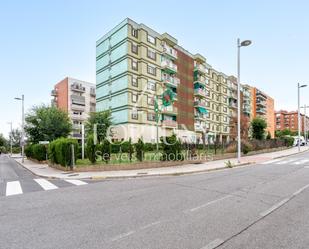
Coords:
169,51
200,68
200,92
172,81
169,66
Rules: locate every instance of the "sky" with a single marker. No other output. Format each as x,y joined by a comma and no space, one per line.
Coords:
41,42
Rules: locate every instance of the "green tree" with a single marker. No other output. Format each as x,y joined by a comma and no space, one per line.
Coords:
91,149
172,150
258,126
3,141
44,123
140,149
131,149
103,120
16,137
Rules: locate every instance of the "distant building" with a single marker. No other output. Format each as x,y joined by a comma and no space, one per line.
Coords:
77,98
289,120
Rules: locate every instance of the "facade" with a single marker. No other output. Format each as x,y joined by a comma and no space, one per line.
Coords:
289,120
135,65
77,98
262,105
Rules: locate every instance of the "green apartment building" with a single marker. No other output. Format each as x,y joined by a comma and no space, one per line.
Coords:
135,64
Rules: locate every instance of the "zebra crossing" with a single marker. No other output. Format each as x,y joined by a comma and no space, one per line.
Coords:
18,187
291,161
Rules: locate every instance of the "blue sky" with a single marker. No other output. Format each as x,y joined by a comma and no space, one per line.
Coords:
45,41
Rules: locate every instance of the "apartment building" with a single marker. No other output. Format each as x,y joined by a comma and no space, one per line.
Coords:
77,98
135,65
259,104
289,120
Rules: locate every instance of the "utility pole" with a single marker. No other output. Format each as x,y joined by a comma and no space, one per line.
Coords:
305,123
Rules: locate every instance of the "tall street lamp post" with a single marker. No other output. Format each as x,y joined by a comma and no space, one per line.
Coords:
299,86
305,123
22,99
239,45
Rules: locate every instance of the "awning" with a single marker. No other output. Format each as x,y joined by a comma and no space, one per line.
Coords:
202,110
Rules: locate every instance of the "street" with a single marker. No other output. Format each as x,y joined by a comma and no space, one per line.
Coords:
257,206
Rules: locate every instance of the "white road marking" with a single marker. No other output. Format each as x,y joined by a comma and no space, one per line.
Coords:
123,235
301,162
213,244
300,190
272,161
151,224
274,207
286,161
46,185
76,182
13,188
209,203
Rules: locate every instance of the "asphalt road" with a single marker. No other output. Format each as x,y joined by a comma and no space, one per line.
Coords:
260,206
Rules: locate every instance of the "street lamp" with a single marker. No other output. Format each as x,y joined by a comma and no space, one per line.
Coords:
22,99
298,97
240,44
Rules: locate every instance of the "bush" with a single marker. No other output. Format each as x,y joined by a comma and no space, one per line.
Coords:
131,149
246,147
288,141
150,147
140,149
171,149
91,149
28,151
105,149
3,149
39,152
60,152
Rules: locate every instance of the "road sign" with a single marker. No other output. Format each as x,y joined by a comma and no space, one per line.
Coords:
43,142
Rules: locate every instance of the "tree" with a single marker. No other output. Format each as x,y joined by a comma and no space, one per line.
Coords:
258,126
16,137
103,121
44,123
140,149
268,136
3,141
91,149
244,127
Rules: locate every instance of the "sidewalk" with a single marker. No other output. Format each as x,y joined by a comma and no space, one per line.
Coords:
43,170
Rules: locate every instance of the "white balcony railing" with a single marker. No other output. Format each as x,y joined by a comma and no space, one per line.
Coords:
200,67
200,103
173,81
200,92
167,64
169,51
169,123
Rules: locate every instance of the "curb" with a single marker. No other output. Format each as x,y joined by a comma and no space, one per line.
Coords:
293,154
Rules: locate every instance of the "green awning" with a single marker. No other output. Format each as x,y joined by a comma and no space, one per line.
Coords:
202,110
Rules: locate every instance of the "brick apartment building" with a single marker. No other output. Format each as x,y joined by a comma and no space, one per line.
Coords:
289,120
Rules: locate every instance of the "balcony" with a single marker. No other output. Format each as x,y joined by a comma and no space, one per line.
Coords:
77,135
77,117
200,104
169,67
200,80
199,127
169,110
261,111
200,92
78,88
169,51
171,81
76,127
79,100
92,92
200,116
200,68
261,103
54,93
168,123
77,108
261,95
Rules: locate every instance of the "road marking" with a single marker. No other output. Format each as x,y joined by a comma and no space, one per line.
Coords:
46,185
272,161
123,235
76,182
300,190
209,203
301,161
13,188
150,225
274,207
213,244
286,161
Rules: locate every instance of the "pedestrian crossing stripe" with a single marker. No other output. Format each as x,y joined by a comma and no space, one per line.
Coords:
15,188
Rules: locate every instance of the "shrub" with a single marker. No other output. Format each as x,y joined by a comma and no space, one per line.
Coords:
29,150
140,149
130,149
3,149
60,152
288,141
150,147
105,149
38,152
171,149
246,147
91,149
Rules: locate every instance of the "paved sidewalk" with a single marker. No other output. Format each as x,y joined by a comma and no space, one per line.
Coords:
43,170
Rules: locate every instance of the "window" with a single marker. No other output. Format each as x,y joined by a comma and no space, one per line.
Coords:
134,114
134,98
225,119
225,90
134,33
151,70
151,85
217,117
217,108
150,100
151,54
151,117
217,88
134,48
134,81
151,39
224,109
134,65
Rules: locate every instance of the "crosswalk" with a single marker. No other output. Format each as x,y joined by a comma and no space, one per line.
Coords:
37,184
291,161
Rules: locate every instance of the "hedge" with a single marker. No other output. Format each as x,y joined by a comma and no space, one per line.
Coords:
36,151
60,152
